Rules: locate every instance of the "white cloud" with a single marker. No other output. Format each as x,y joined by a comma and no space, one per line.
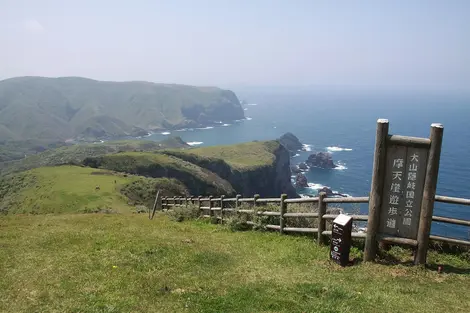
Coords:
33,26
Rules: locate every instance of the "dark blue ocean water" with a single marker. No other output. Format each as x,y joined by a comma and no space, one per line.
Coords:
347,120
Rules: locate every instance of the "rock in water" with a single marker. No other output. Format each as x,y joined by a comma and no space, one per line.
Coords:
290,142
326,190
303,166
320,159
301,181
295,169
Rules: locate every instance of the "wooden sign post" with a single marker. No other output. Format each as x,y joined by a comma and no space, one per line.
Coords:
403,188
341,239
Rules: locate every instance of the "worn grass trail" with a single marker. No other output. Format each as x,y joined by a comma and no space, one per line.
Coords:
126,263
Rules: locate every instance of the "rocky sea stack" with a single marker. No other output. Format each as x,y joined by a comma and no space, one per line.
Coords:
301,181
321,160
291,142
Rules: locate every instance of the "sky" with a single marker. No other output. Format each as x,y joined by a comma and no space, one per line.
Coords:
411,43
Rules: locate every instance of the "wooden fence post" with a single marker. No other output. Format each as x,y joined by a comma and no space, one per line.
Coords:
186,201
376,189
255,198
199,203
210,206
429,192
174,202
222,209
283,211
321,220
237,198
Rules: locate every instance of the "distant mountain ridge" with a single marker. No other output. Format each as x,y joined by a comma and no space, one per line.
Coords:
75,107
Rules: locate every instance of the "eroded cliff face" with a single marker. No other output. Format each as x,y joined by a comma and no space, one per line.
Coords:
270,180
267,181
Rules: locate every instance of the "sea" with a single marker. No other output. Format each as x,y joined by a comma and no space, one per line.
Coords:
343,122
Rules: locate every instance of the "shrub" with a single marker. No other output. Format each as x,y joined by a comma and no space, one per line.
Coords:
237,223
184,213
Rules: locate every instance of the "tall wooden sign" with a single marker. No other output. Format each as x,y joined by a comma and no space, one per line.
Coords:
403,188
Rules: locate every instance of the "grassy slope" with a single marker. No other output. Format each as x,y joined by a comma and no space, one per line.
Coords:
126,263
244,155
72,189
162,165
76,153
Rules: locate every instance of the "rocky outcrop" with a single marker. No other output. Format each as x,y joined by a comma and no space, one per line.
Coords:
270,180
303,166
290,142
301,181
321,160
295,169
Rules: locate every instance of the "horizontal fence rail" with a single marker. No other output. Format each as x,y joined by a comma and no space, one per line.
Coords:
220,205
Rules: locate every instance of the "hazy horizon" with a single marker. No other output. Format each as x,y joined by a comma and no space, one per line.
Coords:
240,44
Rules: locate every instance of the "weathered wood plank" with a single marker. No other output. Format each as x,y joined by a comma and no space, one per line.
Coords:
376,189
282,221
406,141
321,221
347,200
268,200
269,213
246,211
246,200
397,240
300,230
429,192
355,217
452,200
300,214
273,227
353,234
302,200
450,220
229,199
450,240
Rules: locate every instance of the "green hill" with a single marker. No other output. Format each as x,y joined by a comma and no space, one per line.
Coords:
75,154
70,107
130,172
197,179
72,189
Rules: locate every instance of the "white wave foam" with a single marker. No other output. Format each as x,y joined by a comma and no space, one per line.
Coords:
337,149
303,196
166,133
252,104
307,147
340,167
195,143
181,130
315,186
296,155
219,122
245,109
208,127
249,118
225,125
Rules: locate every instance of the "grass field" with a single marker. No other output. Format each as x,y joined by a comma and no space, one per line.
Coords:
72,189
127,263
64,189
250,154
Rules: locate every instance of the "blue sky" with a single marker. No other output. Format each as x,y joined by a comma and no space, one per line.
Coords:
258,42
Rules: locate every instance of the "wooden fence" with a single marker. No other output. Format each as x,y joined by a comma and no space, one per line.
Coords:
222,204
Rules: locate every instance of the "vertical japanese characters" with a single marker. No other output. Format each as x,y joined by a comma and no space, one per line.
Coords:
395,190
410,189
